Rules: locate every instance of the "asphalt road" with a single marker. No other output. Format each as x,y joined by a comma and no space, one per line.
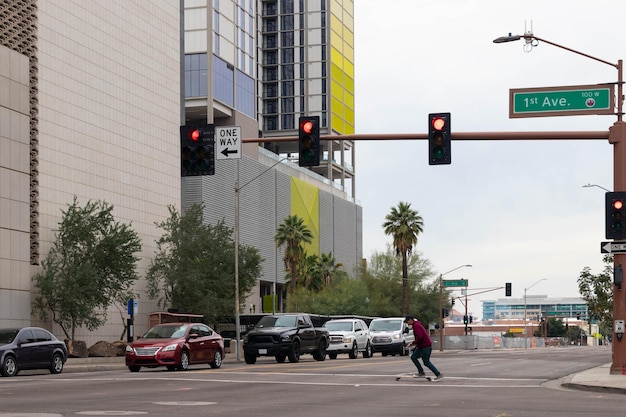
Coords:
503,383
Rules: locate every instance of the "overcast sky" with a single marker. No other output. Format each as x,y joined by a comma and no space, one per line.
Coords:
515,210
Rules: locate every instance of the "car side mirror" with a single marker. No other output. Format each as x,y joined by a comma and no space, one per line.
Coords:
406,330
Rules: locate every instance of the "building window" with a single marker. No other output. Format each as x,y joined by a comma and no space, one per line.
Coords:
223,79
288,121
196,77
244,88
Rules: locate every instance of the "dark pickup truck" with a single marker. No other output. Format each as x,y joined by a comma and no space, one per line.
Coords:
285,336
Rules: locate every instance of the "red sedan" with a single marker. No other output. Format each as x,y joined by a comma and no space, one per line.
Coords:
176,346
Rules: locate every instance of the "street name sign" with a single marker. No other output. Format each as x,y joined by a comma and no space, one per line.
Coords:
613,247
228,142
561,101
455,283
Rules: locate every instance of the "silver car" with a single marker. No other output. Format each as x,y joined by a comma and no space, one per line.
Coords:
349,336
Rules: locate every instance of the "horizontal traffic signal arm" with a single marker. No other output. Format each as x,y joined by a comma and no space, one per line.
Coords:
549,135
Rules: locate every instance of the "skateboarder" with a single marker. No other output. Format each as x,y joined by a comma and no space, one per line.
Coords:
423,348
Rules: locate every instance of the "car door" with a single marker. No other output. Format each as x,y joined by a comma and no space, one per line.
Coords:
26,350
360,333
43,348
196,345
211,344
306,332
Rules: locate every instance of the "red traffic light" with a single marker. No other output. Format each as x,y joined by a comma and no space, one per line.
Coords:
618,204
438,123
307,126
194,134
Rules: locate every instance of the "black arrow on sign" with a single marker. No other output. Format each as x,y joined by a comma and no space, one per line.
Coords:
225,152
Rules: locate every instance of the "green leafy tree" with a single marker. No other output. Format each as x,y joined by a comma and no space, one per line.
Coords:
597,291
328,267
293,234
193,269
383,279
404,225
90,266
344,296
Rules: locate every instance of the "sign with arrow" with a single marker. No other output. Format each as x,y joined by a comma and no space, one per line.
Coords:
228,142
613,247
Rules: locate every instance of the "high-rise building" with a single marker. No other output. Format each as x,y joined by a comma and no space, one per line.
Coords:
92,95
261,65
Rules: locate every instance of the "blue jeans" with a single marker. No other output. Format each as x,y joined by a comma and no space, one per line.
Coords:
424,353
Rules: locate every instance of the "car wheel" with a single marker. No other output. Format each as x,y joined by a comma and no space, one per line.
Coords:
320,353
294,353
135,368
250,359
9,366
281,358
56,366
217,360
403,350
184,361
332,355
367,353
354,352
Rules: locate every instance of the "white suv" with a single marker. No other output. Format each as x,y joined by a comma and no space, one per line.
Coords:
349,336
390,336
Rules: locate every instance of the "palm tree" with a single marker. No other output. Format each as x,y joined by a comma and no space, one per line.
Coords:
404,224
328,267
293,233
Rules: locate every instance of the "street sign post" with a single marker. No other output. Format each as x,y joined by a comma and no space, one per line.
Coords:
455,283
228,142
561,101
613,247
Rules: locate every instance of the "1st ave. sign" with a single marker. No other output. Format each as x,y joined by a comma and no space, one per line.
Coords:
561,101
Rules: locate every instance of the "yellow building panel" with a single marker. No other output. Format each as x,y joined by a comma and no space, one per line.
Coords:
305,203
336,57
336,74
338,124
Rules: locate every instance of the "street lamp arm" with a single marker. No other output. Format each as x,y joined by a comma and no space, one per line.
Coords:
458,267
531,37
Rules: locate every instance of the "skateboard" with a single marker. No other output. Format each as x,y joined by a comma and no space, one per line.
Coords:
410,375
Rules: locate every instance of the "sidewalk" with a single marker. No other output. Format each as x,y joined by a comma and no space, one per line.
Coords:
597,379
594,379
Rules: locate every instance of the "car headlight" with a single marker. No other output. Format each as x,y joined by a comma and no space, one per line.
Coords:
348,339
285,337
170,347
397,336
130,349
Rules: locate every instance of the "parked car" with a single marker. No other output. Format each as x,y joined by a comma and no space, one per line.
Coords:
349,336
176,346
30,348
285,336
390,336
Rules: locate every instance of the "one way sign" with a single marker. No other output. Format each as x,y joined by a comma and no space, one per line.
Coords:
613,247
228,142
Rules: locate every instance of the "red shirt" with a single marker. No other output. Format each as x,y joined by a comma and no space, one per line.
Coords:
422,340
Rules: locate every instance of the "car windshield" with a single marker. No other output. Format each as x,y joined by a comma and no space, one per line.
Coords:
280,321
385,325
165,332
342,326
7,335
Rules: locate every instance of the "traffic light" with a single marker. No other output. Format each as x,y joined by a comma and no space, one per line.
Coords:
197,150
309,141
507,289
615,215
439,152
452,301
471,319
465,319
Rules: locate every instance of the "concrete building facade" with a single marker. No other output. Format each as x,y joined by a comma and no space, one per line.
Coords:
92,95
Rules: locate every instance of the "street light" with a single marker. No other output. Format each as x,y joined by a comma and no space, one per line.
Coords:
441,303
525,325
596,185
617,138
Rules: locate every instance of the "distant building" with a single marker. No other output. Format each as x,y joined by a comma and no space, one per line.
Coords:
537,306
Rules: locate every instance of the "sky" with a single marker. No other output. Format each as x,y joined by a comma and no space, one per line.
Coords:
516,211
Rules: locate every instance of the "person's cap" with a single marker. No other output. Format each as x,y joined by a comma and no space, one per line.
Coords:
407,318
